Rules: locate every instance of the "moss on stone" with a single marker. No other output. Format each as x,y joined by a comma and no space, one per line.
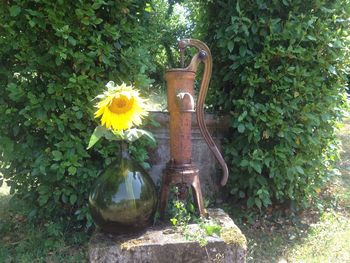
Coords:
130,244
232,235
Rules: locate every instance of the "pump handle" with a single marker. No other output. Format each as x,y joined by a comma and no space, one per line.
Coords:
204,55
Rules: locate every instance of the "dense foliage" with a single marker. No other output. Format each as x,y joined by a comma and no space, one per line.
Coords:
55,57
279,71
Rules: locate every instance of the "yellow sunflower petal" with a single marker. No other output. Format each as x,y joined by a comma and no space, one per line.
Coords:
108,119
99,112
137,120
104,116
115,121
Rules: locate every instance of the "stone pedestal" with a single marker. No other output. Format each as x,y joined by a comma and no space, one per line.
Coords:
162,245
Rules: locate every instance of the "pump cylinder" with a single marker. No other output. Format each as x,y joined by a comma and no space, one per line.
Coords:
180,88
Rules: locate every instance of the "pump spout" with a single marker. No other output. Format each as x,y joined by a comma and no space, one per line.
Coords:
204,55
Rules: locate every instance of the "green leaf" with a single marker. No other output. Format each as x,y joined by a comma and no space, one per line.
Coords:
256,166
43,199
241,128
312,38
72,41
285,2
332,70
72,199
99,132
72,170
32,23
95,137
64,198
16,93
238,9
251,202
15,10
242,50
258,202
244,163
267,161
212,229
242,116
57,155
299,169
262,180
173,221
230,46
132,135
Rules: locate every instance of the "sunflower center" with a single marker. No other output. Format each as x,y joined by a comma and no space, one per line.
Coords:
121,104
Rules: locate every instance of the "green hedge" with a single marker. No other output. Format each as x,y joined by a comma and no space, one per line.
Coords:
55,57
280,72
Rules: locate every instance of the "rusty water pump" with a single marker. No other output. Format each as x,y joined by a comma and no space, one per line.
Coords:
180,170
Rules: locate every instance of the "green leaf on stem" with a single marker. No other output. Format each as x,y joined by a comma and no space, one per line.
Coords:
132,135
99,132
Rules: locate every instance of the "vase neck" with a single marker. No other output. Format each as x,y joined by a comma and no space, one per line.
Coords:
124,150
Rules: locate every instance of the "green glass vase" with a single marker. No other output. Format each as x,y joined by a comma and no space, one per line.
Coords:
124,198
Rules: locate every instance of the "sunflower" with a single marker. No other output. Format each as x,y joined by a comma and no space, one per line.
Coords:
121,107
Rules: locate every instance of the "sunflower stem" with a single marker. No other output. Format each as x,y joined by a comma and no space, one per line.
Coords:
124,149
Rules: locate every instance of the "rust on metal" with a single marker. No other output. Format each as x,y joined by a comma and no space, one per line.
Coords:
180,95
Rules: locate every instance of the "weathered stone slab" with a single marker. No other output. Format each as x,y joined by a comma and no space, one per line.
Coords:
163,245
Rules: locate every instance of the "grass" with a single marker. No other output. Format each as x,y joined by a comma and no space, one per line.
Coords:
328,241
25,241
